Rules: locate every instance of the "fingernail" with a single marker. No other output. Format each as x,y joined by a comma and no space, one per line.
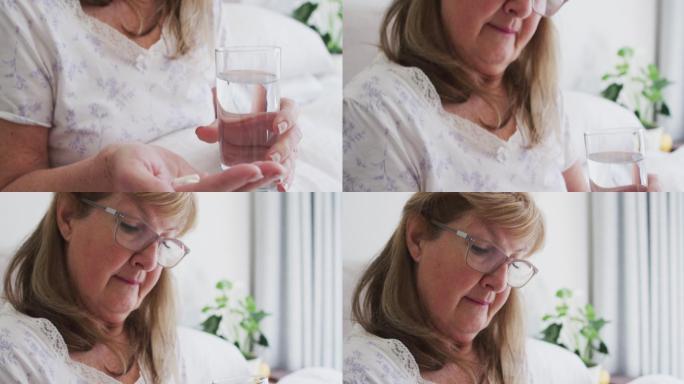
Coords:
282,126
275,157
185,180
256,177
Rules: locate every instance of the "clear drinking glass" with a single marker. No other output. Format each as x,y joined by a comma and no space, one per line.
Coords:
615,160
247,97
243,380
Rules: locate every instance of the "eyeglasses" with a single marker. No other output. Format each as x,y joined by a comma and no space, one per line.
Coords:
547,8
136,235
485,257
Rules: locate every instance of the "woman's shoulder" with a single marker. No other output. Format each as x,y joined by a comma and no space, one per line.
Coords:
372,359
29,350
388,81
24,332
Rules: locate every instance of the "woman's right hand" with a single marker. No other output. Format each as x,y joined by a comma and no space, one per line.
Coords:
142,167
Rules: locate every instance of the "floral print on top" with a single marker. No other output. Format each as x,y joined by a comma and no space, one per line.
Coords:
92,86
397,137
33,351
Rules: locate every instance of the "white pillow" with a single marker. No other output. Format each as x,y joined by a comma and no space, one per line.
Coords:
551,364
361,34
303,51
656,379
209,358
313,376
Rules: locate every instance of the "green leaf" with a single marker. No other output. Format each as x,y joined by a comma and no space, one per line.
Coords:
547,317
664,109
552,332
211,324
206,309
303,13
262,340
611,93
626,52
224,284
603,348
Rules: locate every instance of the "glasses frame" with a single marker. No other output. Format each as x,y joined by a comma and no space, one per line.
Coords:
119,216
470,240
549,14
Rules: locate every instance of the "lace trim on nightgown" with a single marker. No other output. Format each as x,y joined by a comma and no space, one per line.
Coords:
50,333
400,354
127,47
422,84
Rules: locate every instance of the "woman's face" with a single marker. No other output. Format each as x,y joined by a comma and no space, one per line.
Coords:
460,301
111,280
489,34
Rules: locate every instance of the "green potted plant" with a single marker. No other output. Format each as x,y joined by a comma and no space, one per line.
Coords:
578,329
639,90
324,17
238,321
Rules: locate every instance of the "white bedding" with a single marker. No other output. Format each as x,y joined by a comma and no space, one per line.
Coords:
319,167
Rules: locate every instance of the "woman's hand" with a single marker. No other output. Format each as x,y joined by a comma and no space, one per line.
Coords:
273,137
140,167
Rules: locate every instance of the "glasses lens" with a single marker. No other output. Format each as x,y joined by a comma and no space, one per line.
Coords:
484,256
547,8
135,235
519,273
170,252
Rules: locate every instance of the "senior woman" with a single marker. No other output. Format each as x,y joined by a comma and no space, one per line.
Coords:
439,303
89,292
463,98
86,85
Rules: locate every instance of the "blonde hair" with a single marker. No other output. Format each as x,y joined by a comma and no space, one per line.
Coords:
190,22
386,301
37,284
413,35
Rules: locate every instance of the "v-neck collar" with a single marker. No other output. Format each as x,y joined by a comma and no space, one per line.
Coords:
115,37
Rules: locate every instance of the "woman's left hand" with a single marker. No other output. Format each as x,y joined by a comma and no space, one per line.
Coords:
287,137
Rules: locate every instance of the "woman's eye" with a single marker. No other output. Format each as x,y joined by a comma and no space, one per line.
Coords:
482,249
129,228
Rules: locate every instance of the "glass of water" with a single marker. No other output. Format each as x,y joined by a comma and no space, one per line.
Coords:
243,380
615,159
247,98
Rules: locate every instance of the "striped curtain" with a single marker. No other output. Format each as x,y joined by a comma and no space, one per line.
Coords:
297,276
637,281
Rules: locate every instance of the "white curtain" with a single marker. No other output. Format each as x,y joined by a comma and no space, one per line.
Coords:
297,276
671,61
638,280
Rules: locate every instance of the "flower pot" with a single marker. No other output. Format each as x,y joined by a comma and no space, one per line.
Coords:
599,375
652,139
258,367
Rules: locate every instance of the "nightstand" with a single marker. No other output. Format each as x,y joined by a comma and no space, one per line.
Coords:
620,379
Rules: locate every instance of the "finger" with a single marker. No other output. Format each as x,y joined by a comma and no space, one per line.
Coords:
286,145
272,172
231,179
653,183
287,117
285,184
208,133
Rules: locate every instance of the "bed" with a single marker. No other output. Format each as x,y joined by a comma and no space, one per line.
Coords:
310,76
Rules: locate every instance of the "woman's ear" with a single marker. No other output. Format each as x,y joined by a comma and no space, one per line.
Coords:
64,212
415,235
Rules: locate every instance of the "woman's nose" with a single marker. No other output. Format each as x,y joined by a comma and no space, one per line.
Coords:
519,8
496,280
146,258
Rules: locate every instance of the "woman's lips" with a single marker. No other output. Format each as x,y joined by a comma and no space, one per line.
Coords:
504,30
482,303
128,281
